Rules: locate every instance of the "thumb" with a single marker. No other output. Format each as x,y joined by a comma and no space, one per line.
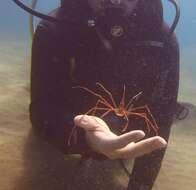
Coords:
89,122
124,139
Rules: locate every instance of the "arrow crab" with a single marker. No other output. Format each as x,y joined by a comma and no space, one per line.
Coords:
106,104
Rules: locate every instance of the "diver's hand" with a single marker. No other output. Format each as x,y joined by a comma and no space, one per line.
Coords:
125,146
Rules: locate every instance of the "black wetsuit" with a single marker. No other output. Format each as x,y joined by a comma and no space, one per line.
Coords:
150,69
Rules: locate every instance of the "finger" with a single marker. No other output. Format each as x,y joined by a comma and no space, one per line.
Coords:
118,142
146,146
89,122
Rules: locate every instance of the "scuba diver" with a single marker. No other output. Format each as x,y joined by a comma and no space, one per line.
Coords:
114,43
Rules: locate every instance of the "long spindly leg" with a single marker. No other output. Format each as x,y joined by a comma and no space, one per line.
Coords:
134,98
140,115
107,112
127,123
95,94
109,93
98,103
94,109
148,112
150,124
122,101
71,135
147,121
153,119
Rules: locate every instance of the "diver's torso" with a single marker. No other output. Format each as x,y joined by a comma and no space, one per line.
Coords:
132,66
138,68
135,67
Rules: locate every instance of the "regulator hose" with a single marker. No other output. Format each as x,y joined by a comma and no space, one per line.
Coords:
53,19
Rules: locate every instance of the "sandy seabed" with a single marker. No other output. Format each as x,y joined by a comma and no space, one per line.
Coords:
27,163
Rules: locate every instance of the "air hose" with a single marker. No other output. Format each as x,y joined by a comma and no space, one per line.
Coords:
53,19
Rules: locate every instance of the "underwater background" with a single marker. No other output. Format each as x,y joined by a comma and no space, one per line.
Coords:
23,157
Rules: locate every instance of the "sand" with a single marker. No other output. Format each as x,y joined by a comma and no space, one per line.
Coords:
27,163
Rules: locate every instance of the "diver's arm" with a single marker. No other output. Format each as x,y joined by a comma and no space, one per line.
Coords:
51,108
146,168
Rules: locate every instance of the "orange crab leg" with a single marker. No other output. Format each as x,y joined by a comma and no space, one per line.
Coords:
95,109
132,100
122,102
109,93
148,111
100,102
126,126
143,115
107,112
95,94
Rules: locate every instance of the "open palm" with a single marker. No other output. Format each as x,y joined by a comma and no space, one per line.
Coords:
127,146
